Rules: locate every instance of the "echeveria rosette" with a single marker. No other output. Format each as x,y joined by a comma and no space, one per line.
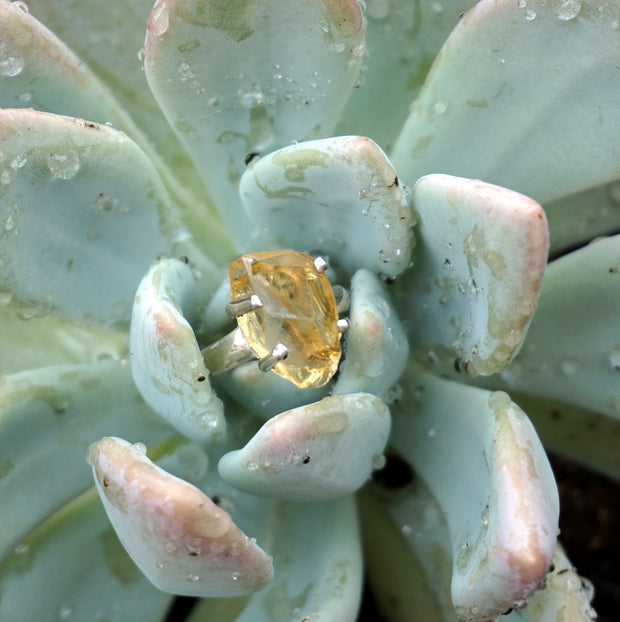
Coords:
522,94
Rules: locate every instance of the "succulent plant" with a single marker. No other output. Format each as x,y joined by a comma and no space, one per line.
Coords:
129,181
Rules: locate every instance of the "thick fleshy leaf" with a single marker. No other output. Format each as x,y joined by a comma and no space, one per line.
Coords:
29,341
240,77
166,362
403,38
47,419
339,196
74,568
577,219
313,452
577,433
110,43
83,211
182,541
481,457
407,554
509,101
265,394
477,274
566,596
318,568
580,298
38,71
375,346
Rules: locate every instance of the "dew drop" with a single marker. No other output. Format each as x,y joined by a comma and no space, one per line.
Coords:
614,358
105,202
9,223
65,612
21,549
11,66
64,165
568,9
570,367
252,466
140,447
159,564
25,97
440,107
378,461
18,161
193,578
530,15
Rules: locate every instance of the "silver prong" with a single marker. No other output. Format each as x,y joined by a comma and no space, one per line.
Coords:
320,264
279,353
343,325
227,353
243,306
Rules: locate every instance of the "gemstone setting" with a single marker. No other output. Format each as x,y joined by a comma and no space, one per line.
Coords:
298,309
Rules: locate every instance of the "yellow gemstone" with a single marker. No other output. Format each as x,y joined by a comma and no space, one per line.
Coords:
298,309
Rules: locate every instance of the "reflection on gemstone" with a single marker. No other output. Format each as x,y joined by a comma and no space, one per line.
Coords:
298,310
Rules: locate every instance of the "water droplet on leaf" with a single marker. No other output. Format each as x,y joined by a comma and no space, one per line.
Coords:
64,165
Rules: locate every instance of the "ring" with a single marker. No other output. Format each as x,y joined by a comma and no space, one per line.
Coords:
287,316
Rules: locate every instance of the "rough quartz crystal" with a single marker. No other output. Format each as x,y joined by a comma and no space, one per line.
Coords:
298,310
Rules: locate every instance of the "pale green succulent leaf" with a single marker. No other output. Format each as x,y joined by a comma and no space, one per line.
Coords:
29,341
477,272
318,567
489,473
265,394
566,596
576,433
240,77
331,447
577,219
110,44
403,38
580,298
167,365
407,555
74,568
339,196
509,101
375,345
181,540
48,417
38,71
83,211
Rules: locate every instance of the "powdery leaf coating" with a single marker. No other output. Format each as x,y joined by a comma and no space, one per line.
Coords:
181,540
340,196
314,452
235,78
478,271
166,362
489,473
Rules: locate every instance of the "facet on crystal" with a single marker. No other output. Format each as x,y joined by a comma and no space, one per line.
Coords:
298,310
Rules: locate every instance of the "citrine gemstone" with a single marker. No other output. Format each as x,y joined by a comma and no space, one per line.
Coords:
298,309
